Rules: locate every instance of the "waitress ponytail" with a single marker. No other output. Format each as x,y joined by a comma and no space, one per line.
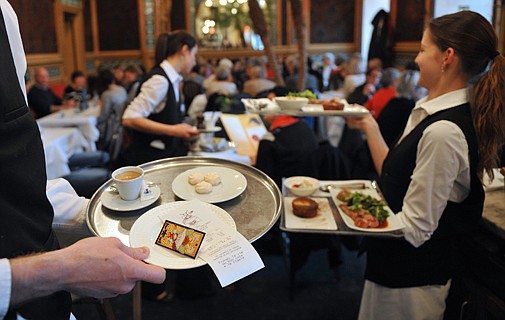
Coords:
474,41
488,103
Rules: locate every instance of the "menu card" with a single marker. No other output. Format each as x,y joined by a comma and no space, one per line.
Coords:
228,253
245,130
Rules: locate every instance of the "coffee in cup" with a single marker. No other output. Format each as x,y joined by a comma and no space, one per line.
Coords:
128,182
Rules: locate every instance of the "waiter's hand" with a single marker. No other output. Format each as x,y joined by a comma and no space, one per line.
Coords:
96,267
105,267
185,131
365,123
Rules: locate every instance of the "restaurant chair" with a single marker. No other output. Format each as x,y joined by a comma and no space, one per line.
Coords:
190,90
355,152
326,163
86,181
97,159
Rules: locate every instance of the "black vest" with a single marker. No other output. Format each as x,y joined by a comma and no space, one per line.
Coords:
26,214
140,150
396,263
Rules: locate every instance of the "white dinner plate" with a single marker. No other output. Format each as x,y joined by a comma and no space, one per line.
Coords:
146,229
233,183
210,130
111,200
393,222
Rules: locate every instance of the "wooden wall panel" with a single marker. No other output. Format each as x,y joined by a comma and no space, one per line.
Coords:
88,26
409,20
118,25
36,20
177,19
332,21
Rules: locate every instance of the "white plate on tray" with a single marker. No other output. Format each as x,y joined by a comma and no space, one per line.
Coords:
210,130
233,183
324,219
348,111
111,200
393,222
146,229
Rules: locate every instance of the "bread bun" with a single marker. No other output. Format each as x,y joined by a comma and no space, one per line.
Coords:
213,178
304,207
203,187
195,178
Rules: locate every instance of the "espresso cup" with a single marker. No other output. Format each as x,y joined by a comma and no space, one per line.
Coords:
128,182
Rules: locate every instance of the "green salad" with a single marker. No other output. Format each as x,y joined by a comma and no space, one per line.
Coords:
365,202
304,94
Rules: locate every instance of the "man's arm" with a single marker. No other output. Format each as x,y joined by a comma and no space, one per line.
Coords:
97,267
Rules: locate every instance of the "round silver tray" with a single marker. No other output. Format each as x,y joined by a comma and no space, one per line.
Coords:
255,211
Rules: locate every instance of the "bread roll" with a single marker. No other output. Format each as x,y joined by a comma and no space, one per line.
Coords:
213,178
203,187
195,178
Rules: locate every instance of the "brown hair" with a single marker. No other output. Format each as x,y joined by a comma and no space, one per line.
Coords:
169,44
474,41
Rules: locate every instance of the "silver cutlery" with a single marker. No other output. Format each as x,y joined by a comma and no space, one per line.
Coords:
357,185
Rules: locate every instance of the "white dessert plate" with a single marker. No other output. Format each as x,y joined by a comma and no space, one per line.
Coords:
146,229
324,219
233,183
210,130
111,200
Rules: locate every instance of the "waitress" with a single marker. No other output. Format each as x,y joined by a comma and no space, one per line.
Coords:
432,176
154,116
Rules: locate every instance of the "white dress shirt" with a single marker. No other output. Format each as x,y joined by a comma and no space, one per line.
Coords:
153,94
442,169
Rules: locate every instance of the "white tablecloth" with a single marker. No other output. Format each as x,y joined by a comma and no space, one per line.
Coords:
85,121
59,145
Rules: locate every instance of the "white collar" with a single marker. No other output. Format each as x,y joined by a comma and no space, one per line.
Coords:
172,74
445,101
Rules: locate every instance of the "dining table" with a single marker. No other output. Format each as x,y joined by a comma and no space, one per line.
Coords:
59,145
85,121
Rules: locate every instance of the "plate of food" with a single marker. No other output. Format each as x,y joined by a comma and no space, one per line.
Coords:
209,184
364,210
309,213
147,227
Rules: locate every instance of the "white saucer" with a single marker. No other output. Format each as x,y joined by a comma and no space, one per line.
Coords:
111,200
